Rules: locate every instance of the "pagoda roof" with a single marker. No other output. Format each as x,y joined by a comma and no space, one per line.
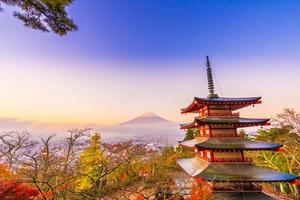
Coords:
229,144
245,195
244,173
235,103
233,172
239,122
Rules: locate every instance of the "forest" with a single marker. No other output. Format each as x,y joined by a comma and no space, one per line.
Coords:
81,166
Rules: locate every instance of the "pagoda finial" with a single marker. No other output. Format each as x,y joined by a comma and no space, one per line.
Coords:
210,80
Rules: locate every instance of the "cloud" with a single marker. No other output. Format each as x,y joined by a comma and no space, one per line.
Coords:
14,124
37,129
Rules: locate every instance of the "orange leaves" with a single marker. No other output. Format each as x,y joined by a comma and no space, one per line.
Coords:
140,197
202,190
5,172
48,195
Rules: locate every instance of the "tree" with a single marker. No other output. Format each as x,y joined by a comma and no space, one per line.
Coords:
201,190
12,147
107,171
92,164
14,189
43,15
287,161
242,133
291,119
51,168
190,134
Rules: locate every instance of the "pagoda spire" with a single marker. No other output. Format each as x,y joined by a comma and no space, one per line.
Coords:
210,80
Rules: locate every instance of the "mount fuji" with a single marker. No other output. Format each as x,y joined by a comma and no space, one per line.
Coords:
146,128
146,118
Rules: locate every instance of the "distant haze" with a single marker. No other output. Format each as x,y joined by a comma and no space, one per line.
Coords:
147,128
147,118
133,56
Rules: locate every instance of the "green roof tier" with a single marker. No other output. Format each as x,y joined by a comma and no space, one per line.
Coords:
235,103
238,172
228,143
237,121
232,172
236,144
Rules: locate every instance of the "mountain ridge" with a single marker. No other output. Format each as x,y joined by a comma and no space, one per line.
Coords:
146,128
146,118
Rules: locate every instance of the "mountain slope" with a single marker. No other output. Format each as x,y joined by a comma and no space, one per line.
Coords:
147,128
146,118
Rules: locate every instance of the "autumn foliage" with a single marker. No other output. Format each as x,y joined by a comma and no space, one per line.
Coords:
14,189
81,166
202,190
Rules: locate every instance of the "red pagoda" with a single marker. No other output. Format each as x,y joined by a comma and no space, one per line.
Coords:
220,157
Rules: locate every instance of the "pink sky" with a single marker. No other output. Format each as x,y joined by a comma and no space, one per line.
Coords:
121,64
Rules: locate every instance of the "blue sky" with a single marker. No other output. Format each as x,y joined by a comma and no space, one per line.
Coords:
133,56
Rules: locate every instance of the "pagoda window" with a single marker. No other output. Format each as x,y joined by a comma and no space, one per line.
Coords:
208,154
228,156
222,126
201,132
207,131
220,112
201,153
223,132
204,154
243,157
224,107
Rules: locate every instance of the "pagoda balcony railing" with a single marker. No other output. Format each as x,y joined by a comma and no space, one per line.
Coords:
224,135
231,160
222,115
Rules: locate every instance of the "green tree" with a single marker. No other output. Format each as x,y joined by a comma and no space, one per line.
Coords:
44,15
92,163
287,161
190,134
242,133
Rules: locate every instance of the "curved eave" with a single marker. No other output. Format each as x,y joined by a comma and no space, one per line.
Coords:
244,173
229,101
189,125
233,143
235,172
193,166
236,103
193,142
237,122
251,146
194,106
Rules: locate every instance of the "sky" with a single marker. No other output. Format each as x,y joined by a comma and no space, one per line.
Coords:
135,56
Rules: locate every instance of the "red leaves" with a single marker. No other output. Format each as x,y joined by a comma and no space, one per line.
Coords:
202,190
13,189
280,150
296,182
140,197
